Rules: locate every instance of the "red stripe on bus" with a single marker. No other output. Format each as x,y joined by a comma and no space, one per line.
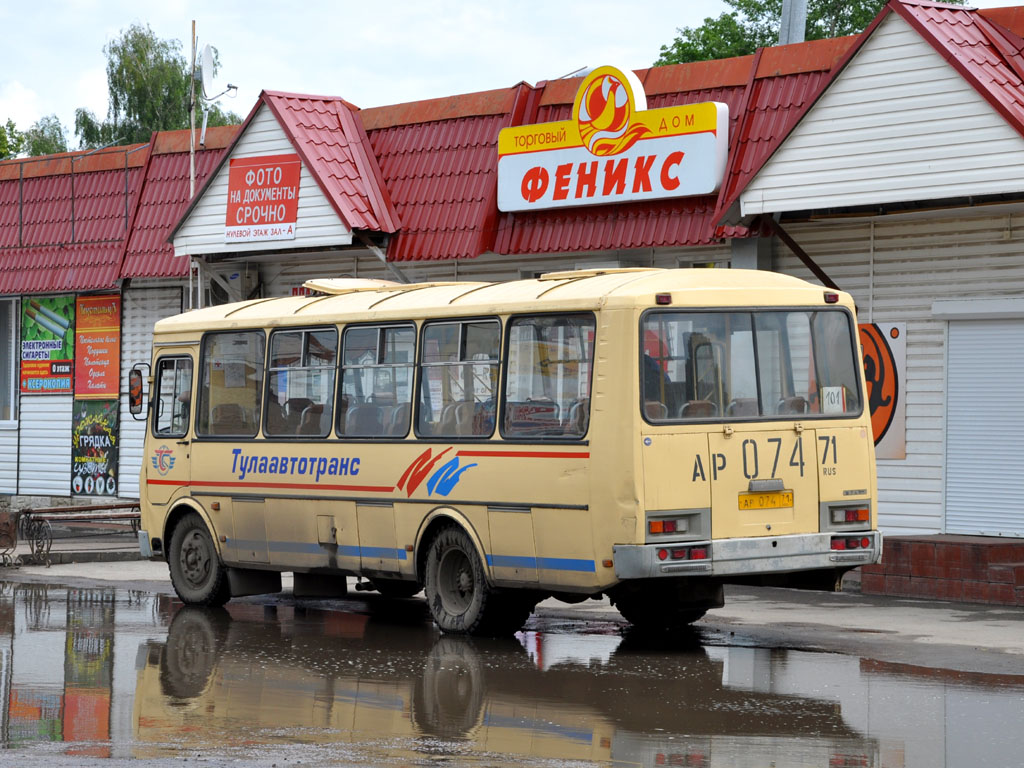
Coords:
528,454
301,486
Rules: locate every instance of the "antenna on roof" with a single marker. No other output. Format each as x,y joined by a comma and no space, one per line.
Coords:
207,68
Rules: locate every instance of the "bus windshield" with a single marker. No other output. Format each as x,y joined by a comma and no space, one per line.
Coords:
785,364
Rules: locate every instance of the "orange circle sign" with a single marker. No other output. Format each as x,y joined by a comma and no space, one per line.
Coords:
882,379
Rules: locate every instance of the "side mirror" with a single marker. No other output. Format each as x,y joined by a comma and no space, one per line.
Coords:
135,391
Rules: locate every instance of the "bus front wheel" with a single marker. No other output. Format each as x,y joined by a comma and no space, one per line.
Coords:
197,574
461,601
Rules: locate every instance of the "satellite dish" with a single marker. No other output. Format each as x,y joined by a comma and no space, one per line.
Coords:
206,68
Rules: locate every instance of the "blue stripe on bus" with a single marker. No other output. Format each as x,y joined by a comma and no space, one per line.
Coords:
546,563
389,553
306,548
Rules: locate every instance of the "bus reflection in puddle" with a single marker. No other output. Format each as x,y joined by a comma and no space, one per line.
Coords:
251,676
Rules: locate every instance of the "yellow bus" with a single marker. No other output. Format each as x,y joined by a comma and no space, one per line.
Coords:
644,434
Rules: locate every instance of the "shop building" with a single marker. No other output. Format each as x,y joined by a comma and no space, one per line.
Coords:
888,164
82,245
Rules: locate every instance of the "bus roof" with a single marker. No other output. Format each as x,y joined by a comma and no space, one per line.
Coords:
356,300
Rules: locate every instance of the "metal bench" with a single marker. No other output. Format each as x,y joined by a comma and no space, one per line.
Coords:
34,525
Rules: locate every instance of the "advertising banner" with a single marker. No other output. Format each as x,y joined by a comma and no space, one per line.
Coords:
613,150
47,344
94,448
263,198
885,368
98,346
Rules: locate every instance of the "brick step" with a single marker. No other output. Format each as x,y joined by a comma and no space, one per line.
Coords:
954,590
1007,573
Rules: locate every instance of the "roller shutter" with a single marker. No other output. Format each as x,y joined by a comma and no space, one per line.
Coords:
985,428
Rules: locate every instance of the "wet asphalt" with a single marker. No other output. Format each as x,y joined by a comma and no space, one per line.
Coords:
102,665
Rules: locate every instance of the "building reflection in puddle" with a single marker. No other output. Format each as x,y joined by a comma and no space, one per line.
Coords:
130,675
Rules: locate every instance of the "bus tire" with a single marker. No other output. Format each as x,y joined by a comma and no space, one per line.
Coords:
460,600
197,574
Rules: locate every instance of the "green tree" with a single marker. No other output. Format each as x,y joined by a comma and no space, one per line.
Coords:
148,90
753,24
46,137
10,140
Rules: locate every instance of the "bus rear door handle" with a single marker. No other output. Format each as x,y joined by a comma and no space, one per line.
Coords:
183,442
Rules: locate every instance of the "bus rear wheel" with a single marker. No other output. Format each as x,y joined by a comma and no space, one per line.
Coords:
197,574
461,601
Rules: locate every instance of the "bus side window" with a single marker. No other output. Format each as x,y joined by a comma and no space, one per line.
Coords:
231,386
300,382
547,377
458,378
376,381
173,397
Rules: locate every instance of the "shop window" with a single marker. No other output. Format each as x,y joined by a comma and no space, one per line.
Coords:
8,362
547,382
376,381
458,379
231,385
300,382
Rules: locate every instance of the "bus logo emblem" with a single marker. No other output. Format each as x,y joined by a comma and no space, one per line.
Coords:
163,459
442,481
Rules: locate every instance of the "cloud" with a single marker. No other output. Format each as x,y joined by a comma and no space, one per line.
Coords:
18,103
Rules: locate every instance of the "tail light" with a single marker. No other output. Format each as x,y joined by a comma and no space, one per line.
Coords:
683,553
850,542
841,516
666,526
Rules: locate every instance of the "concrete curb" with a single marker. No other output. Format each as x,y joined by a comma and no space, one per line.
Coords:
66,558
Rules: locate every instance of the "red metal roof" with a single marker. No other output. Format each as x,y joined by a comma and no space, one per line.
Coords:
776,99
62,230
165,196
986,54
333,145
439,160
984,46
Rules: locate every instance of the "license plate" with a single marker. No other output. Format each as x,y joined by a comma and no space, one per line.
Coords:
773,500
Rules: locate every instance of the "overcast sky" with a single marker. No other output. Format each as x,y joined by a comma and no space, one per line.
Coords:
370,53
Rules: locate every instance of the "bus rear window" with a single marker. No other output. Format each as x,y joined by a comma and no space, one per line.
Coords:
744,365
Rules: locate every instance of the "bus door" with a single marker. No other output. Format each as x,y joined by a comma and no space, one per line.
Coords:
764,482
166,466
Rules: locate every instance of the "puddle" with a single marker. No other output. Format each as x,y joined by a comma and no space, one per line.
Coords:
130,676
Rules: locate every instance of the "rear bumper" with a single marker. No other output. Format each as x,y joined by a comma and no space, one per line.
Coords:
746,557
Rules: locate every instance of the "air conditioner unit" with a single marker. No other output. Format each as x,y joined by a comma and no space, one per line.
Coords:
241,281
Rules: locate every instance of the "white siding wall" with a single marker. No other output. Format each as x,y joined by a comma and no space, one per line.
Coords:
9,461
899,123
318,224
916,261
141,307
44,467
